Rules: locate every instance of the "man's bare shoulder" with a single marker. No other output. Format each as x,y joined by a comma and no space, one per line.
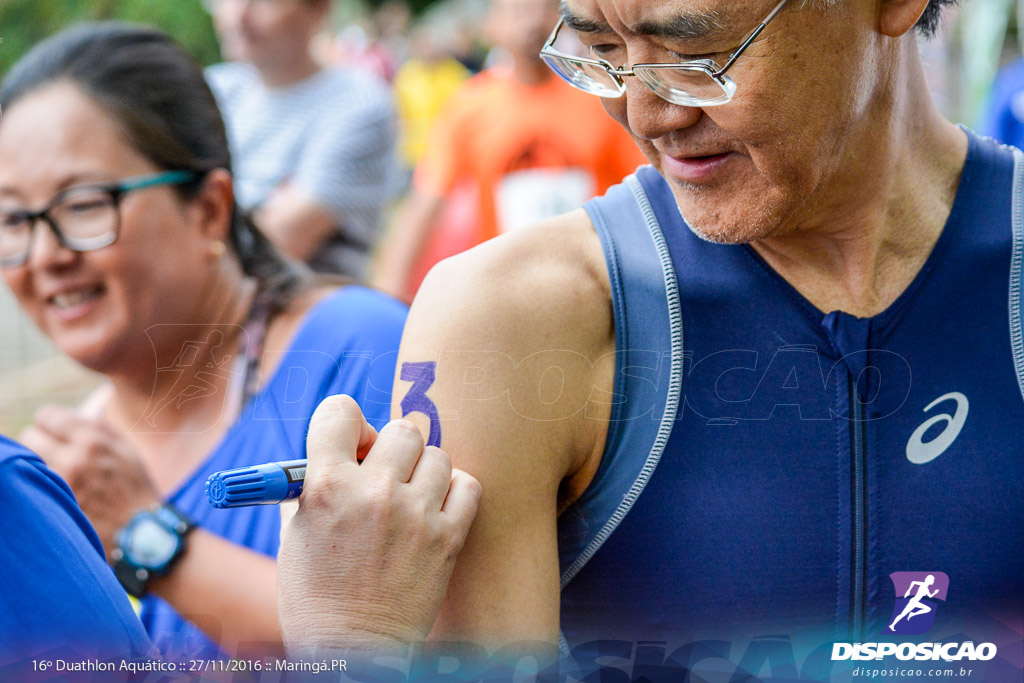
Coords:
543,284
522,325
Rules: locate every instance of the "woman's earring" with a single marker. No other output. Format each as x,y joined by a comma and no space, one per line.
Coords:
217,248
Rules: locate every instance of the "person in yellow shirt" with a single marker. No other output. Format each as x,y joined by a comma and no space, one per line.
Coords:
423,86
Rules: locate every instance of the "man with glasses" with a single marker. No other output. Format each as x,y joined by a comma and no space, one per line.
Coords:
732,396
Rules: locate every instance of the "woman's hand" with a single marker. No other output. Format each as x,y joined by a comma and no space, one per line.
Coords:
103,470
365,561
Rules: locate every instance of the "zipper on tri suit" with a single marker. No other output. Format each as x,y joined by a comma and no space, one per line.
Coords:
858,583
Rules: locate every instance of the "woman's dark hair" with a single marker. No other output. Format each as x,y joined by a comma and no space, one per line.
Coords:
929,20
156,91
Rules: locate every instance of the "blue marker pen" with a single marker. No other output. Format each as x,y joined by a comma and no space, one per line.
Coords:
268,484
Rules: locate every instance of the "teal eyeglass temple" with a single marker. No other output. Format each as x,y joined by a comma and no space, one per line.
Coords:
153,179
116,191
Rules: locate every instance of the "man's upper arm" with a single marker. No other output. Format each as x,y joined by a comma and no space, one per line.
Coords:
498,356
295,222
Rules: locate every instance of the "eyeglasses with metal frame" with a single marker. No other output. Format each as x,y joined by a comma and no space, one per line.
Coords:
698,83
82,218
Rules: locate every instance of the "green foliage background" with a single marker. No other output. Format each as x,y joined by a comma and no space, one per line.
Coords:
416,5
23,23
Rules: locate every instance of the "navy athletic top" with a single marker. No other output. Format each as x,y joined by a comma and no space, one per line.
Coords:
769,465
58,597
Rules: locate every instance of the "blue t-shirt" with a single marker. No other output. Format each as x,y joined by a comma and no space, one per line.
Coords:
58,597
348,344
1004,115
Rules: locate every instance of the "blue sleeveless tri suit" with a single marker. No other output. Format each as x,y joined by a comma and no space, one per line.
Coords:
768,465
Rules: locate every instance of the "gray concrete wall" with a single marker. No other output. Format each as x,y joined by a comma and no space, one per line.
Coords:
32,372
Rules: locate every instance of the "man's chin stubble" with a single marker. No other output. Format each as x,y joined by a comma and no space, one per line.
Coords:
758,224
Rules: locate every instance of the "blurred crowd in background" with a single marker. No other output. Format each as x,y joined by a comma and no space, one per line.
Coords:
410,131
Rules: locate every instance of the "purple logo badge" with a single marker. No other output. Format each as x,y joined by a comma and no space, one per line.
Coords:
916,596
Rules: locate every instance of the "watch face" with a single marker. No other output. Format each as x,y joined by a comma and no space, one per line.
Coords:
150,544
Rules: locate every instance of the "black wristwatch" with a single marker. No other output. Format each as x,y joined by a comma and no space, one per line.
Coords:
148,546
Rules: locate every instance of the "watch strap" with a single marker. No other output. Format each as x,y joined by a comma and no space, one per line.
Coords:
174,519
135,579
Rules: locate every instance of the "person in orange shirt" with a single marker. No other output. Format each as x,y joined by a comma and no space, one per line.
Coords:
515,145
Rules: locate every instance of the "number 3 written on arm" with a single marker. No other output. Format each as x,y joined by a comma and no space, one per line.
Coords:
416,401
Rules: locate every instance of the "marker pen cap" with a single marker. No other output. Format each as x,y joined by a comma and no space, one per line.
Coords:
267,484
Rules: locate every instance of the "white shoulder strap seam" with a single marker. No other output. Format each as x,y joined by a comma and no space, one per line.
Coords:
674,388
1017,255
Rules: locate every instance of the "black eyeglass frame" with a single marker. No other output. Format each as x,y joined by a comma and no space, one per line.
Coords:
115,190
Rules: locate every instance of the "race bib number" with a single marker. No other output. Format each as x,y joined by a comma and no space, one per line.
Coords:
526,197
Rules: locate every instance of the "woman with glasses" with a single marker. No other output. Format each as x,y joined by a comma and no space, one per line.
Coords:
121,239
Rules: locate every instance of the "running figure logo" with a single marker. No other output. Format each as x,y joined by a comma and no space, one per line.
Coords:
914,612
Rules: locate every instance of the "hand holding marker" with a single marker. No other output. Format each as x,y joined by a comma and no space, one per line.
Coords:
276,482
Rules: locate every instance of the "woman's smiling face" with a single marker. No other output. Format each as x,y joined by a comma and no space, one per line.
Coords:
97,305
